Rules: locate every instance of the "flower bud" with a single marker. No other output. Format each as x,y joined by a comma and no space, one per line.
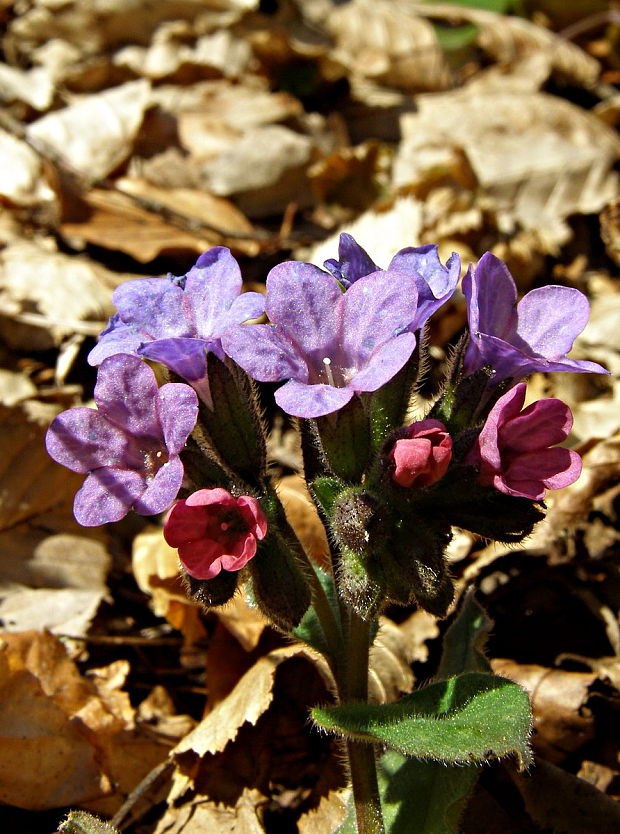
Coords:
421,454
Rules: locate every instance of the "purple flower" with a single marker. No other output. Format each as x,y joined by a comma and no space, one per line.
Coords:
434,282
512,450
330,345
129,446
517,339
176,321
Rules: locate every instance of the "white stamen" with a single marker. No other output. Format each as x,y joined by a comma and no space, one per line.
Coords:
330,377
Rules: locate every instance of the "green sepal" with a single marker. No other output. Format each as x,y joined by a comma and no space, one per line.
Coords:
309,629
414,562
345,440
388,406
465,640
234,427
469,718
325,491
280,588
212,592
201,468
81,822
361,583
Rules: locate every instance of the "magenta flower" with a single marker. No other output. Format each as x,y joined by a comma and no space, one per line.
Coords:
435,282
329,345
214,531
512,450
422,454
517,339
130,446
176,321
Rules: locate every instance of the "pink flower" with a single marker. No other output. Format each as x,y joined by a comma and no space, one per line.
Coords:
214,531
512,450
422,455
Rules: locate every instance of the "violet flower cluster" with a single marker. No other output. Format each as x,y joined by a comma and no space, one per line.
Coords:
345,344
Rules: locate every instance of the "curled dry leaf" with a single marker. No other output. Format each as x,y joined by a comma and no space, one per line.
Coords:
304,518
246,703
95,134
197,221
562,721
203,816
22,181
31,482
390,674
571,171
34,86
558,801
70,295
385,41
78,736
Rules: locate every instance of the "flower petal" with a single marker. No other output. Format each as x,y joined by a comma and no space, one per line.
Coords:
211,287
155,306
264,352
377,308
353,261
384,363
301,400
118,337
82,440
107,495
550,319
306,305
178,412
185,357
162,490
248,305
491,298
542,424
126,393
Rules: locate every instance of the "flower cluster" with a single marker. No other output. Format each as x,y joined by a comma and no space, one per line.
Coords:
345,343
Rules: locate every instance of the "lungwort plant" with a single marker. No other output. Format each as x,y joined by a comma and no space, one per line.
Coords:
347,345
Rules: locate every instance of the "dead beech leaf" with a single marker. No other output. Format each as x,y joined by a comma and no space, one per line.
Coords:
70,294
390,674
562,722
328,816
199,816
304,518
381,233
116,222
95,134
571,171
32,482
21,174
169,54
557,801
246,703
385,41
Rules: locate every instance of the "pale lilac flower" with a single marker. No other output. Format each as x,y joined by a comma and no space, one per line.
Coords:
329,345
214,531
435,282
515,340
176,321
512,450
422,454
130,446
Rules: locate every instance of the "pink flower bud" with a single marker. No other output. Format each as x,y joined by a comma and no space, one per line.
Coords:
512,450
214,531
422,455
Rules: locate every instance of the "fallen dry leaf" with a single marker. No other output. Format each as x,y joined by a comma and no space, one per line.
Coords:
200,816
95,134
22,180
71,294
304,518
562,721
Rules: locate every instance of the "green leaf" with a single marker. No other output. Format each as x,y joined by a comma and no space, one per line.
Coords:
425,797
470,718
464,641
309,629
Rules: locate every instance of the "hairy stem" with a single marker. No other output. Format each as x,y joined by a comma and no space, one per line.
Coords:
361,755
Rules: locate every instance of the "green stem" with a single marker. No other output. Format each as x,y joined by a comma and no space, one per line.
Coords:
362,755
